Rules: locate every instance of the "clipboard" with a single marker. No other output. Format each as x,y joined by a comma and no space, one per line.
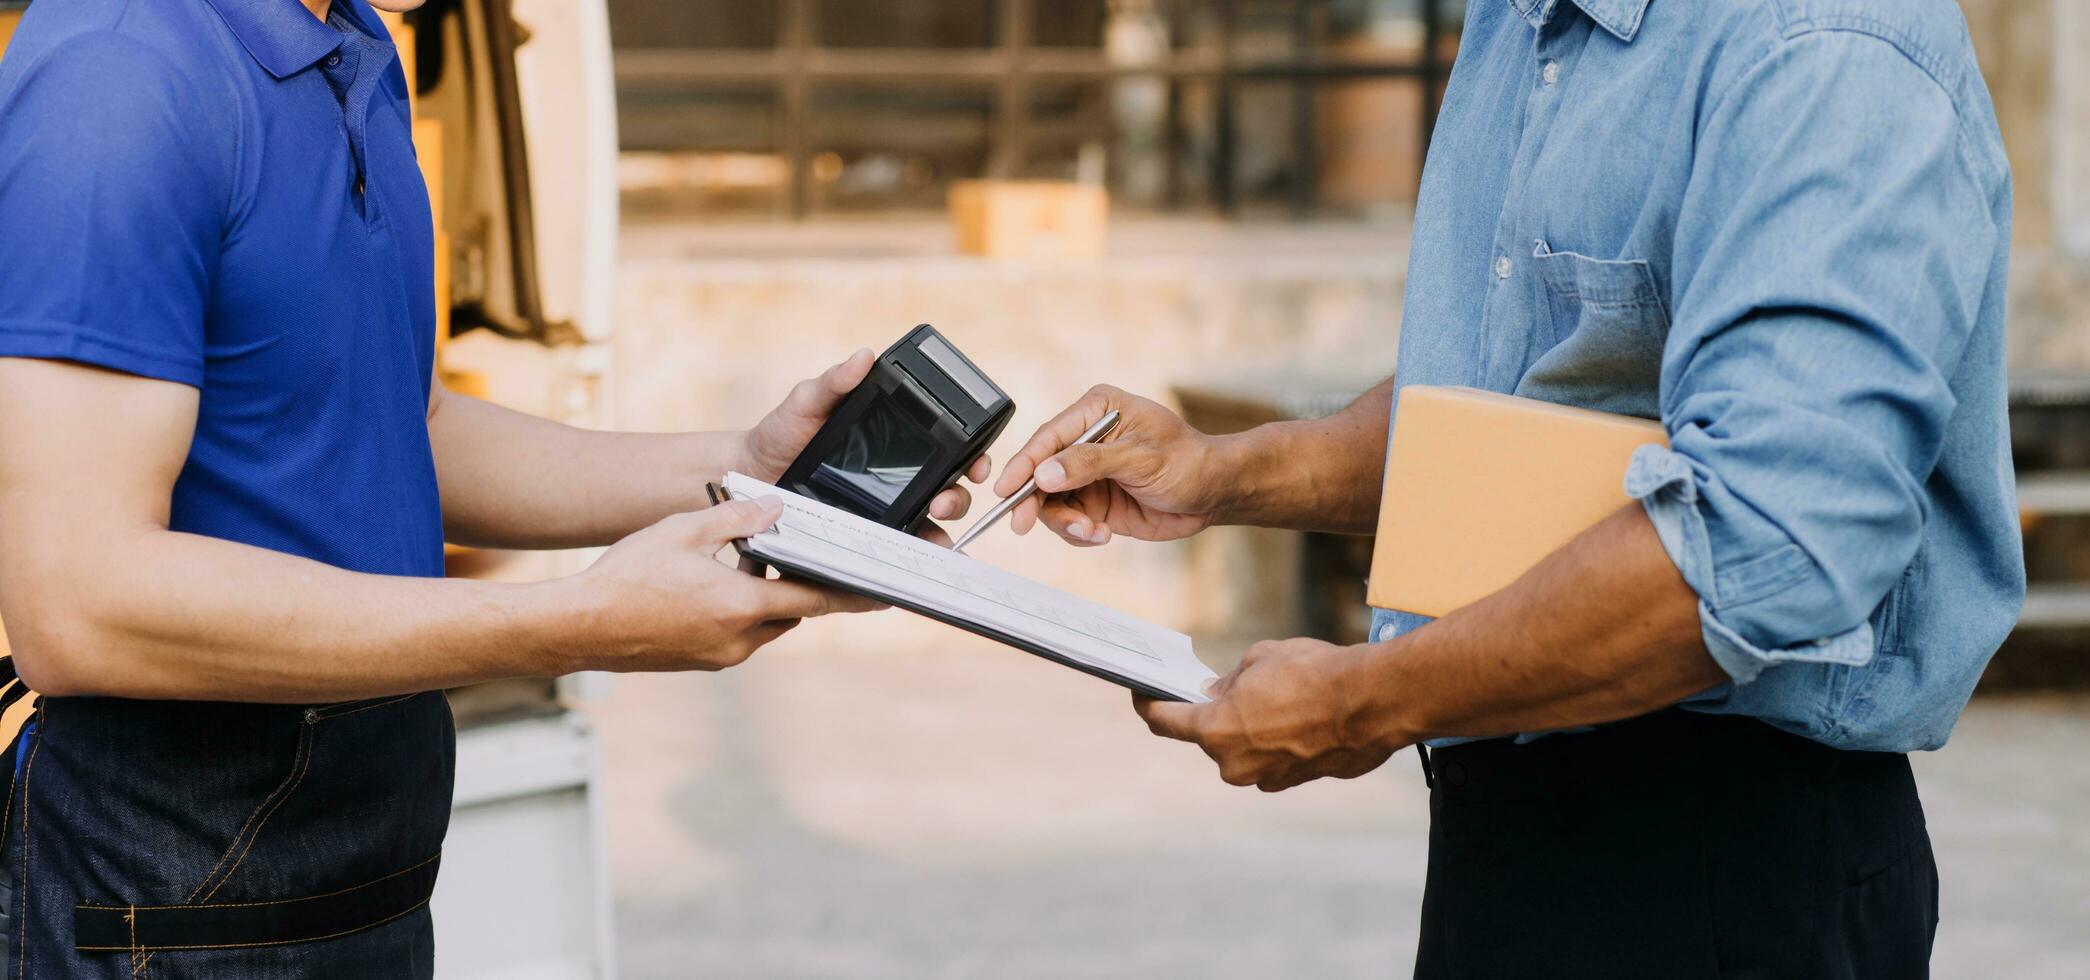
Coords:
759,551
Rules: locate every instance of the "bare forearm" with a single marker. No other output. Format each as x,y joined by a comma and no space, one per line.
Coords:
1603,629
511,480
157,614
1318,475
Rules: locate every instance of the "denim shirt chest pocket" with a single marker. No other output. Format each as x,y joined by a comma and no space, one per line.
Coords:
1599,340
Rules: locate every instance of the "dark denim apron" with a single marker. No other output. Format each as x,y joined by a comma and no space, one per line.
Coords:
173,839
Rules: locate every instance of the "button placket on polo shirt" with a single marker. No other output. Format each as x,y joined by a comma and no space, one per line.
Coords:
341,67
355,70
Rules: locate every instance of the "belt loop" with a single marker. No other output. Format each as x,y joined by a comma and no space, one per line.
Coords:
1429,772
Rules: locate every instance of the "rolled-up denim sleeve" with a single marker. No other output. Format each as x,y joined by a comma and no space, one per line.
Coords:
1832,252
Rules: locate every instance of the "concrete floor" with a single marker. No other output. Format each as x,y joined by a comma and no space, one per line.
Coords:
882,797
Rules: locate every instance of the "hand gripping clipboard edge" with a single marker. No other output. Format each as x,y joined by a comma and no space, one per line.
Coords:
759,565
749,565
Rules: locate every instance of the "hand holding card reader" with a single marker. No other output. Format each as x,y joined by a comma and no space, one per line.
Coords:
904,435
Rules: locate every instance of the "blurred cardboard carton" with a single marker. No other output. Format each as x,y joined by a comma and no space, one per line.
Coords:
1030,219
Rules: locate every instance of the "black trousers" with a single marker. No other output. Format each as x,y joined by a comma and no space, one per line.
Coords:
1676,845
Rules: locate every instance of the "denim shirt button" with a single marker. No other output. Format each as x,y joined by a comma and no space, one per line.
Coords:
1502,267
1551,72
333,61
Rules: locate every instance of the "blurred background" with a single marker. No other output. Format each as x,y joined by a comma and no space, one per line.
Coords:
658,214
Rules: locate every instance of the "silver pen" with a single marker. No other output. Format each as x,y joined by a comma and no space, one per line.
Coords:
1095,432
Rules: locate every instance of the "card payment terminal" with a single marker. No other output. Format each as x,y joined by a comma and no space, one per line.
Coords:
906,433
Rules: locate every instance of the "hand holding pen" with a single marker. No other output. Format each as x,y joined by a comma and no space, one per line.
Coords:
1151,476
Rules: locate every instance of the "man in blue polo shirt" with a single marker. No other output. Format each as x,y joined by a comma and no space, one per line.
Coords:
226,477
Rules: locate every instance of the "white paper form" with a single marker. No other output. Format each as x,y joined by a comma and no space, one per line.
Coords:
867,557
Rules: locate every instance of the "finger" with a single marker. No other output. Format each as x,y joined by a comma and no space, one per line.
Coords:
1236,773
818,397
1070,524
1070,520
935,535
980,469
788,599
1094,500
843,378
1024,516
1055,435
951,504
1172,719
1353,768
1320,768
767,633
1078,466
735,519
1262,650
1280,783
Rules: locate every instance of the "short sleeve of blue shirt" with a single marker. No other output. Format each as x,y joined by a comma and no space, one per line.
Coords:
224,194
113,184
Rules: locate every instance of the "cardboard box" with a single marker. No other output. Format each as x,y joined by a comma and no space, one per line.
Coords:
1030,219
1480,486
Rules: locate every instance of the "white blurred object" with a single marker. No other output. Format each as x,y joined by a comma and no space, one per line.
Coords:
524,892
1135,35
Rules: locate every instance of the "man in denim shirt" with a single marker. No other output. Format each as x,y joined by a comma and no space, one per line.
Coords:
1780,227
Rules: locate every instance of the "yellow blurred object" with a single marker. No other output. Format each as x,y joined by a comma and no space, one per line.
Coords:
428,148
442,291
8,19
17,714
1030,219
1480,486
471,383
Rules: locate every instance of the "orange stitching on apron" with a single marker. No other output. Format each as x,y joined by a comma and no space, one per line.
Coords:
274,942
280,796
307,736
416,866
303,730
311,738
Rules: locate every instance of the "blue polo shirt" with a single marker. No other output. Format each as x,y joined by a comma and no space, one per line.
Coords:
223,194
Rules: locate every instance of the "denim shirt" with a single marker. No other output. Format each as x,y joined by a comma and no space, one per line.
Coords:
1780,227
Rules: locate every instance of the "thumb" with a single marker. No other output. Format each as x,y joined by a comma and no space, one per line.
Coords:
819,397
1078,466
1172,719
737,519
